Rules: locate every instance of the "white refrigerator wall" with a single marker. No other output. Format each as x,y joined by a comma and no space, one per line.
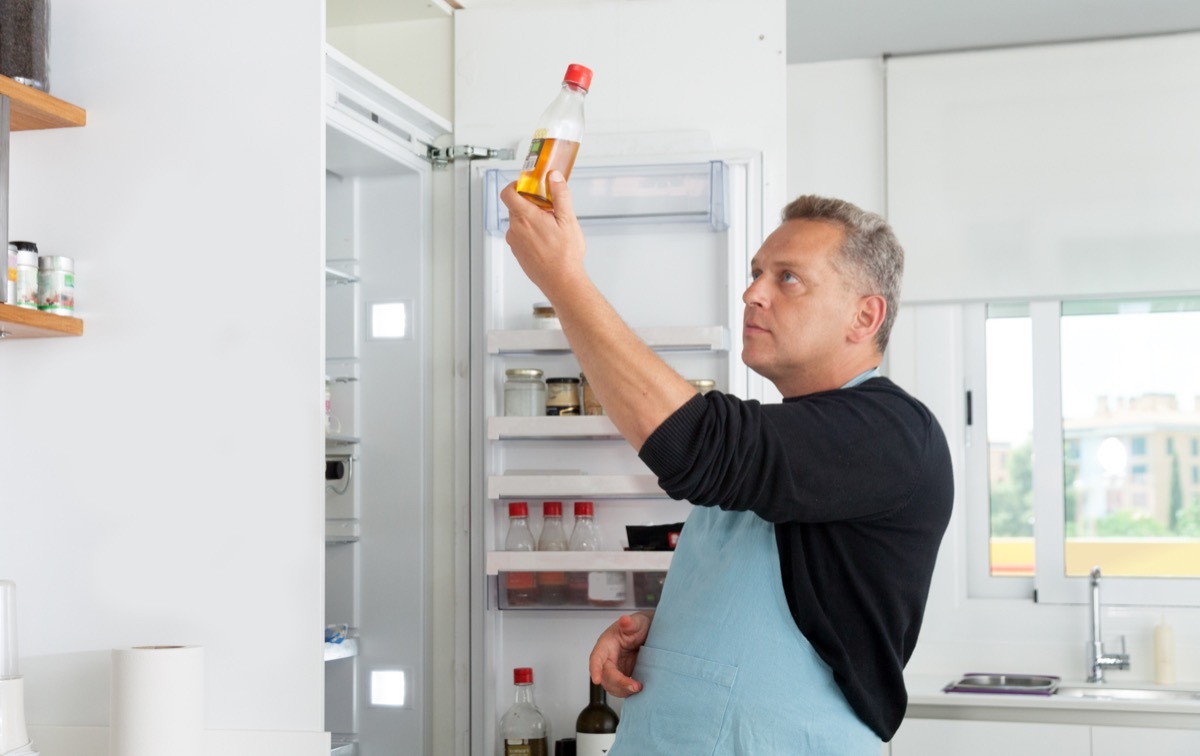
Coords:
161,474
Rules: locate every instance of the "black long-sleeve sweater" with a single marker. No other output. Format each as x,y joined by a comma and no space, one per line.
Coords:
859,486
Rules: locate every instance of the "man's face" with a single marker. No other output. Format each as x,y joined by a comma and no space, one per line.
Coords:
799,308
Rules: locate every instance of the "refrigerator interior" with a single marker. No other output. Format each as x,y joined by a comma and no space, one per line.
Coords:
668,244
378,467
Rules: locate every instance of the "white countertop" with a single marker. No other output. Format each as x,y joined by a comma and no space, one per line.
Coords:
926,700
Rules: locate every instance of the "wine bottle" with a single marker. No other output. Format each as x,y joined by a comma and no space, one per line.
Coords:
596,726
523,728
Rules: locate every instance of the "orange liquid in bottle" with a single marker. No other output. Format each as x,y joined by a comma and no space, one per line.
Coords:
545,155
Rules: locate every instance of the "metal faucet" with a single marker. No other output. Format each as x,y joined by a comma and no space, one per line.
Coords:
1098,660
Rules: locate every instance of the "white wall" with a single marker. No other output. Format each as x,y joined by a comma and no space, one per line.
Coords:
160,474
836,126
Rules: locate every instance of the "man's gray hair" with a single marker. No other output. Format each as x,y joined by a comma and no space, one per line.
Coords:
873,256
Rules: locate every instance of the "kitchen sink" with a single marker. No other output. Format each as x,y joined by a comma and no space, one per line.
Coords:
1106,693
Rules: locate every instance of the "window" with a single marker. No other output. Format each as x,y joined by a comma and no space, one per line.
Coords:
1096,392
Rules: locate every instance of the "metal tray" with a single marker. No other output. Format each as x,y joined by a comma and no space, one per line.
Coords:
991,682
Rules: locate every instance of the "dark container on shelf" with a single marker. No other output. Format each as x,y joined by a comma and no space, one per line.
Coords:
25,42
647,586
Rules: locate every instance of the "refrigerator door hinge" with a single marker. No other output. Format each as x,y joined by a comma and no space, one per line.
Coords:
443,156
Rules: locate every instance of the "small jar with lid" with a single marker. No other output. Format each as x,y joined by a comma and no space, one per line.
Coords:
587,398
26,294
524,393
544,317
703,385
562,396
56,285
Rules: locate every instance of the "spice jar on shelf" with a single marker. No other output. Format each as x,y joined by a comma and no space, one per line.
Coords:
544,317
56,284
25,42
26,290
524,393
562,396
587,398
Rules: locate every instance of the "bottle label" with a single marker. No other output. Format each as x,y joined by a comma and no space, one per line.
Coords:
593,744
535,149
525,747
606,586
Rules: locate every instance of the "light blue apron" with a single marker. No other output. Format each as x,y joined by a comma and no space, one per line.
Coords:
725,670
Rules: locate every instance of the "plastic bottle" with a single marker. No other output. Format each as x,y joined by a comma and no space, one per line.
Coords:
596,588
523,728
556,139
1164,653
596,725
519,586
552,586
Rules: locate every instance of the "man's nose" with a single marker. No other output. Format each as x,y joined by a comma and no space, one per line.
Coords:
755,292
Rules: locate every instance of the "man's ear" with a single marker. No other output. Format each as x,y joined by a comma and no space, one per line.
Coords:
868,318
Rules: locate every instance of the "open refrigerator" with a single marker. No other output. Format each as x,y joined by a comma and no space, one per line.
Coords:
669,242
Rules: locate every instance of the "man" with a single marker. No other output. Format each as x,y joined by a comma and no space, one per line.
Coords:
797,588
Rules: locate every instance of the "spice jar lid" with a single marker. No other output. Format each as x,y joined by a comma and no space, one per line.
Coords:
583,509
563,379
552,509
24,245
56,262
703,384
543,309
518,509
523,373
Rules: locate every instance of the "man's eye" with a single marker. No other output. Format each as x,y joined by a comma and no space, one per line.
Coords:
754,274
789,278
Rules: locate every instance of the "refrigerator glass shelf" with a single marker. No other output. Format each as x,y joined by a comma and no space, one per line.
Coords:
334,277
574,486
608,195
660,339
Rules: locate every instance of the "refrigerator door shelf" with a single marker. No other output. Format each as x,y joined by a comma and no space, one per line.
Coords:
574,486
344,650
590,427
660,339
577,561
666,193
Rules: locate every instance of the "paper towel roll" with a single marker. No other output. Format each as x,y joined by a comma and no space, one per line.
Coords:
157,701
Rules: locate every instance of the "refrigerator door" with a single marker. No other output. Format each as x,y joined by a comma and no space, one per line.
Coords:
378,345
669,243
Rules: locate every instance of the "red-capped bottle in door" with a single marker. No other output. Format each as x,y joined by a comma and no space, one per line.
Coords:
552,586
520,588
602,588
556,139
523,728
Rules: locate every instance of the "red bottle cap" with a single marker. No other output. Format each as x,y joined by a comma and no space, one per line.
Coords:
583,509
580,76
518,509
552,509
523,676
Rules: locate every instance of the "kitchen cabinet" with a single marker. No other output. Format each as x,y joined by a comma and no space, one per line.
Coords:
24,108
1122,741
934,737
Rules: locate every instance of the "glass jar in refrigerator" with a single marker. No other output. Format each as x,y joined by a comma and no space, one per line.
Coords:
552,586
524,393
593,588
520,587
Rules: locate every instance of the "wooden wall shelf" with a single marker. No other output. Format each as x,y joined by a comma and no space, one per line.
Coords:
24,323
34,109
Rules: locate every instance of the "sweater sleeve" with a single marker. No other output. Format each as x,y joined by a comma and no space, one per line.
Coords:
849,454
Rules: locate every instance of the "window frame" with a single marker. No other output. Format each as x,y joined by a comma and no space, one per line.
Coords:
1049,585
